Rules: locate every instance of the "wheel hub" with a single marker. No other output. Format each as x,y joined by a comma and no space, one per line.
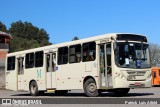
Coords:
92,87
33,89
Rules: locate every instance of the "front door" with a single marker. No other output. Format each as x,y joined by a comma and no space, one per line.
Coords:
20,73
105,65
50,71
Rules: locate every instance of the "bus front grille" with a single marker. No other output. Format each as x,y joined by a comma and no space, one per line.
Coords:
137,73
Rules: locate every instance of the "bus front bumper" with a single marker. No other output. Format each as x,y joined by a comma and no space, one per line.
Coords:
123,83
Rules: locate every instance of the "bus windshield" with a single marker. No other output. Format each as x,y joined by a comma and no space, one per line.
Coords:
132,55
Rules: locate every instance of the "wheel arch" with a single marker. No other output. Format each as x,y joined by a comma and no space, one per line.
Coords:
31,82
88,77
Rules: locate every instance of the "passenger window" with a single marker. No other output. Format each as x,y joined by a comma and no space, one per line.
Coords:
154,75
75,53
54,61
159,72
39,59
89,51
29,60
63,55
48,63
11,63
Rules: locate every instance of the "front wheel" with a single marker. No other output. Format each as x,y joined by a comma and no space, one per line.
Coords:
90,88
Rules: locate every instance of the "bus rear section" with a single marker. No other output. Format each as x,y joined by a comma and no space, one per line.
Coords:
155,76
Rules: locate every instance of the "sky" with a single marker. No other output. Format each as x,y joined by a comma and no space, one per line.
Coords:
65,19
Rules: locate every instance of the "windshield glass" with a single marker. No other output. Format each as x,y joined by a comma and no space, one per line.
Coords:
132,55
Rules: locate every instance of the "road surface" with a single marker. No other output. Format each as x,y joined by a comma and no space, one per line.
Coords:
75,95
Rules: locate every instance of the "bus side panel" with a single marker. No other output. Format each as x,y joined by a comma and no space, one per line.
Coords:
11,80
36,74
42,78
91,70
69,76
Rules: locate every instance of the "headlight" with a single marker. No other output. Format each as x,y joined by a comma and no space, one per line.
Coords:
150,74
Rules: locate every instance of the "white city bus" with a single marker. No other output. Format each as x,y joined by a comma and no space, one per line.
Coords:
110,62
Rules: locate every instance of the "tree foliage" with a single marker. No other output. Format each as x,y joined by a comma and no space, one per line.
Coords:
3,27
154,54
27,36
19,44
75,38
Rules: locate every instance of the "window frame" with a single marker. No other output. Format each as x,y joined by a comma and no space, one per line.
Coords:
88,51
62,56
39,59
76,53
28,66
12,62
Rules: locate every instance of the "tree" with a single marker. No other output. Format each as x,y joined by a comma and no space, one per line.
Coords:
3,27
75,38
154,54
19,44
27,36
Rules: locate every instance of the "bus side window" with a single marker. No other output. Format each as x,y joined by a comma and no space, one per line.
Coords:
11,63
29,60
48,61
19,64
154,75
54,61
89,51
62,55
75,53
108,50
39,59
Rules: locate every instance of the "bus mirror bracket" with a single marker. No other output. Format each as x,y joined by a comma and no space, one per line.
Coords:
114,46
115,43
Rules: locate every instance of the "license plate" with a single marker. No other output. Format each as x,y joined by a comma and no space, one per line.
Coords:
138,84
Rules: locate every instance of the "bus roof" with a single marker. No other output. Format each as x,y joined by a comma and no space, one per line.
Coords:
94,38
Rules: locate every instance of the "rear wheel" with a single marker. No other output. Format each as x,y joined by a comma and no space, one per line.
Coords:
90,88
34,89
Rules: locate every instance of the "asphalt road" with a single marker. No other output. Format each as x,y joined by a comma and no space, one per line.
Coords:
153,92
137,94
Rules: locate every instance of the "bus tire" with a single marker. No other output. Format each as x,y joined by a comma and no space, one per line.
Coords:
61,92
90,88
121,92
33,88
